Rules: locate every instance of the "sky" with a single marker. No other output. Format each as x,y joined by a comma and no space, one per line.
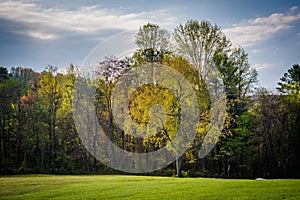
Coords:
36,33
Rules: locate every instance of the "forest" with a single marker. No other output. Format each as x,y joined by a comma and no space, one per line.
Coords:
260,136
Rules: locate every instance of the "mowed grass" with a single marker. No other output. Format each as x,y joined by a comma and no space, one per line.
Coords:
143,187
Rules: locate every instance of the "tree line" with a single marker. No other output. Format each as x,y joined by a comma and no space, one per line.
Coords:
259,137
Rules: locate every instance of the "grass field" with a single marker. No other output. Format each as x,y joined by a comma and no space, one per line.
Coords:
143,187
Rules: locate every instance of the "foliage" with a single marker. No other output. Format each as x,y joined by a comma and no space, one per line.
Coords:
290,82
260,136
199,42
151,36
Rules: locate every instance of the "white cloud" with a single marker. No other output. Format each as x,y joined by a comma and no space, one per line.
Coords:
294,8
259,29
42,36
262,66
46,24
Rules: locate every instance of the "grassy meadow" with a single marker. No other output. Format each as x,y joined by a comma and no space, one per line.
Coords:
143,187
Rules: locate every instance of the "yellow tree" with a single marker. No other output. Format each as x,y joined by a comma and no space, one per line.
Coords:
50,95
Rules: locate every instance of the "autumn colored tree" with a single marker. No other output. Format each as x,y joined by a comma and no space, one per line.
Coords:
50,94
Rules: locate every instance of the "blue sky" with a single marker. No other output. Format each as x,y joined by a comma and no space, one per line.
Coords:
35,33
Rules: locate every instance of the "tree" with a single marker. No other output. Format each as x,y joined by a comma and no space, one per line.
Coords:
66,130
109,70
199,42
237,74
3,74
8,122
240,148
151,36
19,107
50,94
167,117
30,135
289,86
239,79
153,43
290,82
270,135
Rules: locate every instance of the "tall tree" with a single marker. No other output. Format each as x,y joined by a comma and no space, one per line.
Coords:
239,80
199,42
8,122
153,42
66,130
50,94
108,71
151,36
289,86
29,113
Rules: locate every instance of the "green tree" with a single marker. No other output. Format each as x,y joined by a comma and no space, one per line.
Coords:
289,86
3,74
8,122
240,148
50,95
290,82
68,140
30,134
237,74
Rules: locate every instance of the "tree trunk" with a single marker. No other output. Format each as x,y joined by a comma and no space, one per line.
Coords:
18,136
87,163
203,163
62,163
179,161
43,156
95,165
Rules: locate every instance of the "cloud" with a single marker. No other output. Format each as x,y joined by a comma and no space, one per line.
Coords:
52,23
40,35
262,66
294,8
259,29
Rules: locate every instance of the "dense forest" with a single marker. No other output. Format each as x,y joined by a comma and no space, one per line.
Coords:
260,136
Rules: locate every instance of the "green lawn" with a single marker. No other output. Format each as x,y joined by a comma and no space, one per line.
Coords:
143,187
